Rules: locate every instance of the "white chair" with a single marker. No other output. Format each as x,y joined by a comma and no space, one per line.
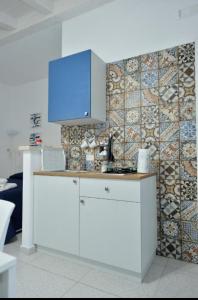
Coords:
6,210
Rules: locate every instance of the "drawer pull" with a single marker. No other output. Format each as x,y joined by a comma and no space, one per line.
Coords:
107,189
75,181
82,202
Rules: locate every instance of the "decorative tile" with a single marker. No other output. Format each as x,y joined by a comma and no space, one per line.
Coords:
118,151
155,167
87,132
186,53
149,80
75,152
188,150
185,92
170,229
150,97
75,164
187,75
158,252
188,109
170,207
130,163
189,211
190,252
168,76
65,136
132,82
116,102
150,132
115,78
169,94
169,151
118,134
171,248
188,170
149,62
170,190
101,131
154,149
132,116
188,131
169,113
116,118
75,135
118,164
107,102
115,71
188,191
132,65
168,57
169,132
169,170
150,114
190,231
115,88
98,165
132,99
131,151
132,134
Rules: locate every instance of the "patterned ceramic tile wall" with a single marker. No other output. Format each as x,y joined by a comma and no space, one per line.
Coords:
151,103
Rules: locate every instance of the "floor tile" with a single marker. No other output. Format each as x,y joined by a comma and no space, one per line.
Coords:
126,286
13,249
64,267
34,282
84,291
181,267
110,282
177,285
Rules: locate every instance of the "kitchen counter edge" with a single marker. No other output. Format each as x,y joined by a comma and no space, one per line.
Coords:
95,175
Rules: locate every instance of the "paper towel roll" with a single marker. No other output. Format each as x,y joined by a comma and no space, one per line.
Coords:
144,161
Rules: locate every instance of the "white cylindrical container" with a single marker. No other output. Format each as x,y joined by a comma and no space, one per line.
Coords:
144,161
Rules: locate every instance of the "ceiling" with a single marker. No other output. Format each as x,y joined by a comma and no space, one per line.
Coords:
20,17
36,39
30,35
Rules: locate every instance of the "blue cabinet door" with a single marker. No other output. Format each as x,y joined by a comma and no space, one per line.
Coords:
70,87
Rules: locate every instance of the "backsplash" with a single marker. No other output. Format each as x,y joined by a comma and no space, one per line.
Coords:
151,103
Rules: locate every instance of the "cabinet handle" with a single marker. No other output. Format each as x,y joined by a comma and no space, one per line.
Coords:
107,189
75,181
86,114
82,202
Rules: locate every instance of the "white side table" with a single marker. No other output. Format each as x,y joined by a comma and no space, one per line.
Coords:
7,276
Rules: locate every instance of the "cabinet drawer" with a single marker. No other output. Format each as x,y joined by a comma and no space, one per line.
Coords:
110,189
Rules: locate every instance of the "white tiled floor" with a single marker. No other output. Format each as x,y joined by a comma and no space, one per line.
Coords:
48,276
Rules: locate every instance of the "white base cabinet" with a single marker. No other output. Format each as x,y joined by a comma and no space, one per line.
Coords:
110,233
113,222
56,213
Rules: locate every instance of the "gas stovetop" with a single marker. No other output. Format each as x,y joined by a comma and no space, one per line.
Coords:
122,171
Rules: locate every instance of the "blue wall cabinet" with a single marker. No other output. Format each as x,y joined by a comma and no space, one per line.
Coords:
77,89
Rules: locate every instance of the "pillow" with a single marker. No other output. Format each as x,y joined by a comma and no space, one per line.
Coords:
17,176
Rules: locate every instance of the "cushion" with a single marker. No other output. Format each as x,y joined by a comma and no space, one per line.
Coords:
17,176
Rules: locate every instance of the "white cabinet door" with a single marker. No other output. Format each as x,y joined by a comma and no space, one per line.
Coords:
110,232
56,213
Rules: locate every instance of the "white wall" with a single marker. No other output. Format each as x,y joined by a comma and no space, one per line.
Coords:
126,28
19,102
5,117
